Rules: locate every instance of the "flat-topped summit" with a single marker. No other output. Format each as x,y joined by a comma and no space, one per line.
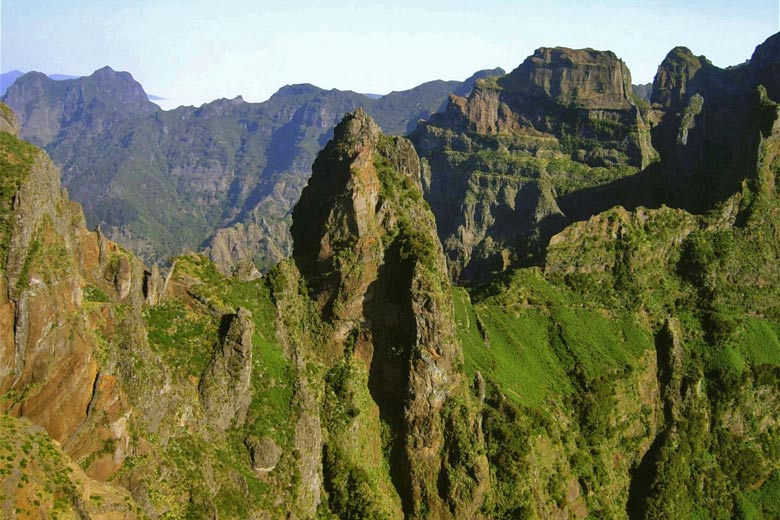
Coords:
507,162
583,77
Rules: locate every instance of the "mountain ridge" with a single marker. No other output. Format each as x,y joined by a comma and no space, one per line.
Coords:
632,370
261,157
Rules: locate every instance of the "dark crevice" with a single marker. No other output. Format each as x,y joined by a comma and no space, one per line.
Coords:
392,326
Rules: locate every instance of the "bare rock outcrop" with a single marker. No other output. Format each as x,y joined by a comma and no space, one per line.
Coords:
225,385
528,153
366,244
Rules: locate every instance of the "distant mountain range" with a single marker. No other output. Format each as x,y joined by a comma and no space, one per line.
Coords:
223,176
7,79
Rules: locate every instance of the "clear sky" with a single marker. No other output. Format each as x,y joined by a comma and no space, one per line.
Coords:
194,51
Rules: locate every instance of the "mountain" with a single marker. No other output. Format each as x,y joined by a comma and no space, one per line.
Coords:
508,163
134,374
628,368
223,176
7,79
643,91
562,138
633,372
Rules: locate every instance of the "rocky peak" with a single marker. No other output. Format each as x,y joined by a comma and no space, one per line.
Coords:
673,82
117,89
338,207
298,89
701,111
502,160
46,107
551,88
582,77
220,107
765,65
366,243
225,385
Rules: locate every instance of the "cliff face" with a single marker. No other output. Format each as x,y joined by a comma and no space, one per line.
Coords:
706,283
633,373
562,138
764,65
191,394
511,164
135,376
644,344
366,245
50,342
583,77
707,122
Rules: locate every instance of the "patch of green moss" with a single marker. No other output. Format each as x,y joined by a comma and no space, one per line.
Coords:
93,293
183,337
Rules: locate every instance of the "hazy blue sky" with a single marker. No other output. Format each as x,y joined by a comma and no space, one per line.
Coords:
195,51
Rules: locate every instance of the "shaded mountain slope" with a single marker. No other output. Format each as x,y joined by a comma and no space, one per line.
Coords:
562,138
163,182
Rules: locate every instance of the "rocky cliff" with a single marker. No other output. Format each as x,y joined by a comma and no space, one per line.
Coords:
335,386
562,138
632,373
366,246
707,123
508,163
134,377
50,372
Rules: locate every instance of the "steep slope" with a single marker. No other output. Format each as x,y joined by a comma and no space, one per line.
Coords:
48,366
195,395
52,110
707,123
633,373
562,138
636,375
127,371
507,163
164,182
365,244
39,481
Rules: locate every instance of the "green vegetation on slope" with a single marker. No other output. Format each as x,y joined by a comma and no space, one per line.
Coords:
38,480
16,160
533,337
184,330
